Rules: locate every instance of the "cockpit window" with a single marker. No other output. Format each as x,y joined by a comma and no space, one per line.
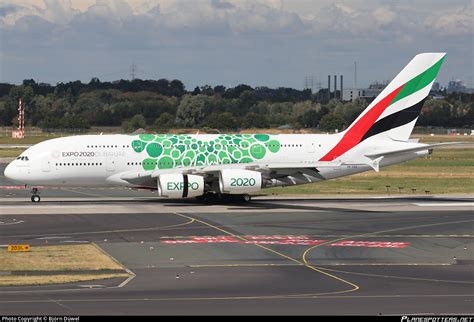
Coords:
23,158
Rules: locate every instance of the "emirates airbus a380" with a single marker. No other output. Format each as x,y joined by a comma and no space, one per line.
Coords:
184,165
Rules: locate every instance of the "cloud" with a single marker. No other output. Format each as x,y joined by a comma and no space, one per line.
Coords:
221,4
384,15
6,10
457,22
261,18
250,40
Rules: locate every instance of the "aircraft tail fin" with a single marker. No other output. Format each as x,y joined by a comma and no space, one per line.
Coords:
394,111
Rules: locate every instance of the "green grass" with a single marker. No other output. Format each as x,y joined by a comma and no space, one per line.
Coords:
88,261
445,171
444,138
58,259
377,186
10,153
27,140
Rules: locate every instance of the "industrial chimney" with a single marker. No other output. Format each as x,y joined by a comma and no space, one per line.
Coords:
329,87
342,88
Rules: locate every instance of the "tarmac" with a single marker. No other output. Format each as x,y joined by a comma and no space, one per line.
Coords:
274,256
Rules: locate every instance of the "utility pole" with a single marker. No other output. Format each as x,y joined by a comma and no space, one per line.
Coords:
133,71
355,75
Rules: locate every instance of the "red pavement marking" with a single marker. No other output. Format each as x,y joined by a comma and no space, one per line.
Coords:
284,240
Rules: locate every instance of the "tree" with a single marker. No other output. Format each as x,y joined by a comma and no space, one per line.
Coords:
25,92
310,119
74,122
332,122
177,88
164,122
225,121
219,89
351,110
254,120
192,110
136,122
436,113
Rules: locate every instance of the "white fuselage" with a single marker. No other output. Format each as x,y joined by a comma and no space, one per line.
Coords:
101,160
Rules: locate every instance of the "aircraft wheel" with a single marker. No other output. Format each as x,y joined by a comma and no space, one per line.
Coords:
246,198
35,198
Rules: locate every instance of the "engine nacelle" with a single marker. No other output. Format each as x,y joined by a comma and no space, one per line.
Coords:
234,181
180,185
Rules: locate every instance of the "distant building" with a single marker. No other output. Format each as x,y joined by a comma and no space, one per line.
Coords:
458,86
374,89
435,87
350,94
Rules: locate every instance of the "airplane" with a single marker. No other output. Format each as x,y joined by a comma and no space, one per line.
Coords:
236,165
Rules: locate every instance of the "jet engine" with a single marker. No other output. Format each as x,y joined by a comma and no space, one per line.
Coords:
235,181
180,185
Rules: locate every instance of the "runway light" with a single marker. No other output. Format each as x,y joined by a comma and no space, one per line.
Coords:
177,276
151,247
141,242
171,259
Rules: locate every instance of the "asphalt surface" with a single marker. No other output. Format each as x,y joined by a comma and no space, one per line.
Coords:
271,256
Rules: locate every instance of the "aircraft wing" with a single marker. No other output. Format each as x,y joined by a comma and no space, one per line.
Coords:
274,170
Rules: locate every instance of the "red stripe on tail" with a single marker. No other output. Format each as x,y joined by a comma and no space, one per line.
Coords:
355,133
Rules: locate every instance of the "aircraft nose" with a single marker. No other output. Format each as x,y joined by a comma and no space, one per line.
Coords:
10,172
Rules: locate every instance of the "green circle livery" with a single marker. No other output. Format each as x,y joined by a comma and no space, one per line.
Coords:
165,151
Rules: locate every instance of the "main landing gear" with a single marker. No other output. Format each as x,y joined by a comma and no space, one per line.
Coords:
224,198
35,195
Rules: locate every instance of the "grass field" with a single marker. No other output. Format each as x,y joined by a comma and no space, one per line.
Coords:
87,261
26,140
445,171
15,280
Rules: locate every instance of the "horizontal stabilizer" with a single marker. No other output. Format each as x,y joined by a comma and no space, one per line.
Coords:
414,149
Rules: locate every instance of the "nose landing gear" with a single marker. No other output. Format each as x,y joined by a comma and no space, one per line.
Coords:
35,195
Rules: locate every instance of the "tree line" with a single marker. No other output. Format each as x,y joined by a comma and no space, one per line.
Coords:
160,105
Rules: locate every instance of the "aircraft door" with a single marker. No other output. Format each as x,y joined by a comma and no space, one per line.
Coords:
46,165
110,164
311,147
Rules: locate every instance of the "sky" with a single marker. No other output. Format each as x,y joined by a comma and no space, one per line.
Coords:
256,42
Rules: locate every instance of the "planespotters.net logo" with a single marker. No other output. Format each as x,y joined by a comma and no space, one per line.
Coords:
437,319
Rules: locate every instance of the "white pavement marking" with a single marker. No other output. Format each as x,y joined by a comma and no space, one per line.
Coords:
445,204
11,223
75,241
92,286
132,274
53,237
